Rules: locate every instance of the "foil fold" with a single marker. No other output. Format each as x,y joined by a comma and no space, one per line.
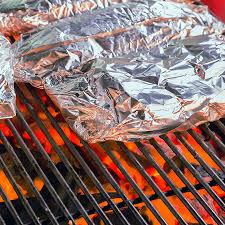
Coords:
7,93
109,32
139,96
18,17
130,71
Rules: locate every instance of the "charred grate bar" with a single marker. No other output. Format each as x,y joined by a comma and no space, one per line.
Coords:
175,177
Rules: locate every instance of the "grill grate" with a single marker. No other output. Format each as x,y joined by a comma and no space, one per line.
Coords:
59,201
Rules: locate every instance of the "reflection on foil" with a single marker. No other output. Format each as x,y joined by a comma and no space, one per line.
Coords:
109,32
7,94
129,71
18,17
146,94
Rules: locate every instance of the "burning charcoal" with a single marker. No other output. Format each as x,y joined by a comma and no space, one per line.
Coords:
202,212
27,165
196,224
57,138
18,17
178,163
144,213
5,129
205,175
128,214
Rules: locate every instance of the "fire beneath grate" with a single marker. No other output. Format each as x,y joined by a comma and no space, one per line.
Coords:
49,176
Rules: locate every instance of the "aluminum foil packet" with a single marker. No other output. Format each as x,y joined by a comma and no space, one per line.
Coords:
18,17
133,97
110,32
7,94
130,71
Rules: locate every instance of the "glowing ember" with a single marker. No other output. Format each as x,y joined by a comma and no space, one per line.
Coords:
129,167
7,187
6,131
57,138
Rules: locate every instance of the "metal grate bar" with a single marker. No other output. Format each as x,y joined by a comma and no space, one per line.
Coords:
2,221
152,183
170,183
207,149
186,182
103,169
34,92
55,171
152,197
194,172
201,161
220,125
10,207
65,198
26,176
38,169
213,137
155,196
112,181
69,167
134,185
102,191
24,201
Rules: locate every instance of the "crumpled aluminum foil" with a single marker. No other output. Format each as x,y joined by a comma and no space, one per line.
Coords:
109,32
7,94
148,93
129,71
18,17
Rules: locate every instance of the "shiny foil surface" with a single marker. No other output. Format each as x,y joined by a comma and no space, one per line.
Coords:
18,17
7,94
113,31
174,87
130,71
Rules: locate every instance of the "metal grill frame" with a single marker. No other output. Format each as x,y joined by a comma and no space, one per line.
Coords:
117,209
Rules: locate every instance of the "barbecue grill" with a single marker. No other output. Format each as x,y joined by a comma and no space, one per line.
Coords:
66,195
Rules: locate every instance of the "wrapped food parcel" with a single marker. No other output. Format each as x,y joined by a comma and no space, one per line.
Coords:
18,17
109,32
129,71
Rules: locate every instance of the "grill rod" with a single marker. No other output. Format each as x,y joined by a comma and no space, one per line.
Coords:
18,192
153,197
38,168
10,207
212,135
2,221
27,176
207,149
169,193
194,153
93,155
193,171
55,171
36,141
135,186
178,193
169,182
120,204
67,164
185,181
